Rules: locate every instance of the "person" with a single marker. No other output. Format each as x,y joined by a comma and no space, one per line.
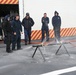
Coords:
56,22
1,34
45,27
6,25
27,23
16,35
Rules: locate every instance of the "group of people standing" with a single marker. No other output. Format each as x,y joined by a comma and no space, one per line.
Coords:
56,22
12,31
13,28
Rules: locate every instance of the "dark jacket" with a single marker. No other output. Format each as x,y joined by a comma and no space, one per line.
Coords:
45,21
27,23
56,21
16,27
6,26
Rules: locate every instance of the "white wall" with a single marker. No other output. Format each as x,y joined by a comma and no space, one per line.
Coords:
21,13
66,9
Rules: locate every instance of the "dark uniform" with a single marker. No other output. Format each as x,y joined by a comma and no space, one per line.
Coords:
16,39
56,22
45,28
27,23
6,25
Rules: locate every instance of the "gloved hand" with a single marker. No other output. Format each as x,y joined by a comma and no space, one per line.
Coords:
5,35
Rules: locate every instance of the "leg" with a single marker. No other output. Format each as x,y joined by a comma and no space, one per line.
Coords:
54,33
58,33
26,36
19,42
29,36
43,33
8,43
47,34
14,41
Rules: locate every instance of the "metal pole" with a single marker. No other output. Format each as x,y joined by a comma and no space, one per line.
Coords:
34,52
58,49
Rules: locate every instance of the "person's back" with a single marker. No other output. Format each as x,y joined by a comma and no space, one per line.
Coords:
7,27
7,33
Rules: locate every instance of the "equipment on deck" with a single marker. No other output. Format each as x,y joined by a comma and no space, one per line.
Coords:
37,47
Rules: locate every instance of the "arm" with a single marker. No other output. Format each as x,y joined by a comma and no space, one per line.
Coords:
20,26
48,20
52,21
60,21
4,28
32,22
42,21
14,28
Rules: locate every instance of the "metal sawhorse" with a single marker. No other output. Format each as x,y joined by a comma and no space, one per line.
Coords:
62,44
36,48
40,45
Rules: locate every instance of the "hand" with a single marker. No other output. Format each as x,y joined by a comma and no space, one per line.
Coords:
21,32
5,35
14,33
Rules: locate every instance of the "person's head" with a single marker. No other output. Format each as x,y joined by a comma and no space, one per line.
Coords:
56,13
27,15
12,18
45,15
17,17
8,18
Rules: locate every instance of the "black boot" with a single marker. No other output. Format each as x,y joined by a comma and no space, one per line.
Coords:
9,51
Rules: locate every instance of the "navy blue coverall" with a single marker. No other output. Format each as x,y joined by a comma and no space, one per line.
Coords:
45,28
16,39
7,33
56,22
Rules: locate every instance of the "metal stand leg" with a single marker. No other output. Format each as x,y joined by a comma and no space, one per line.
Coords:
42,54
66,50
34,52
72,44
38,47
58,49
